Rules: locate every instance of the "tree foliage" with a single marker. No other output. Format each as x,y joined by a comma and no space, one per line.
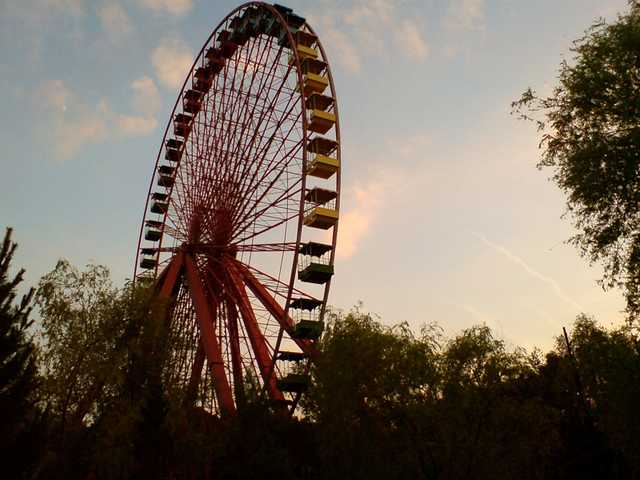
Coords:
18,372
105,349
384,402
590,127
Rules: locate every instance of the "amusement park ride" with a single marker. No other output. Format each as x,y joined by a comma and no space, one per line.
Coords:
240,223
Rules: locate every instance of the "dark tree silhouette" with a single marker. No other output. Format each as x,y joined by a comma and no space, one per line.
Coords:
18,371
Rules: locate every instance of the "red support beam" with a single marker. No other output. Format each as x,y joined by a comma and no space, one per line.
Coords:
273,307
236,356
196,375
258,342
208,337
169,276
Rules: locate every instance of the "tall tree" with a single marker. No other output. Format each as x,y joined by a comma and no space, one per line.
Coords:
590,128
18,370
105,351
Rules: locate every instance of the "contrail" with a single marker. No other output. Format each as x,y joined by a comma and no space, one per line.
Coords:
534,273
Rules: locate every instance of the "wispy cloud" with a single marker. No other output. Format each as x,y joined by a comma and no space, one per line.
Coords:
348,56
76,7
410,41
174,7
135,125
171,61
356,222
368,200
465,15
73,123
115,21
146,98
351,33
555,287
145,103
42,9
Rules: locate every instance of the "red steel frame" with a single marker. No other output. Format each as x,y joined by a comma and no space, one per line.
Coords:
257,195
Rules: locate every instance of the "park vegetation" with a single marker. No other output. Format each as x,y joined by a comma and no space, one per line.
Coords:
82,397
82,394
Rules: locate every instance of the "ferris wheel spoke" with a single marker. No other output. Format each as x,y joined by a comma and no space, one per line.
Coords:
223,139
236,355
267,227
276,287
182,335
272,221
258,341
267,247
223,168
282,166
212,348
242,100
250,185
258,134
211,248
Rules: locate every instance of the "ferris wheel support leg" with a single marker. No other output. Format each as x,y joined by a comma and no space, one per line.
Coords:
196,375
274,308
208,338
258,342
236,356
169,276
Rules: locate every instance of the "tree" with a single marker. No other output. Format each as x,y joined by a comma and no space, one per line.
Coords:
608,366
78,339
18,371
590,127
366,385
105,350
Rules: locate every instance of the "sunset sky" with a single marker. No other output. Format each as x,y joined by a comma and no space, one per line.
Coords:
444,215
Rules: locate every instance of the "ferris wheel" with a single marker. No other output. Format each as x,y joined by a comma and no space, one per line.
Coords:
240,223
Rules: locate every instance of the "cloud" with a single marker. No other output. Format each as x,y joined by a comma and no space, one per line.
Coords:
175,7
560,293
348,55
410,42
370,200
40,11
75,7
56,95
26,25
114,20
134,126
356,222
74,124
465,15
146,98
172,60
368,29
146,103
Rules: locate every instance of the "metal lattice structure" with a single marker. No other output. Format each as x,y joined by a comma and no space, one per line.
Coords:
240,224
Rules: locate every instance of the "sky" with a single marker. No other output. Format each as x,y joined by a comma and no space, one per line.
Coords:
444,216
